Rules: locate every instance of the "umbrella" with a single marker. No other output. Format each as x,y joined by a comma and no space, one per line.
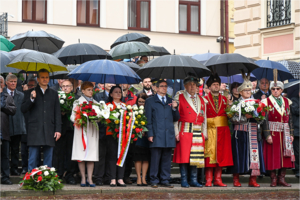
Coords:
130,50
14,53
105,71
62,74
266,70
230,64
5,44
292,88
33,61
293,67
37,40
204,57
5,58
160,51
234,78
173,67
131,37
80,53
133,66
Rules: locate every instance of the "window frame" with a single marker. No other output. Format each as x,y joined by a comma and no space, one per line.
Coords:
87,15
189,4
34,13
138,16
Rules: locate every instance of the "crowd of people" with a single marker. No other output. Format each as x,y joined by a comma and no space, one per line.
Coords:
193,122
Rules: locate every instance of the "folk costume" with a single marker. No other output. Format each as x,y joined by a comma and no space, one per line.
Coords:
191,128
218,151
278,155
246,145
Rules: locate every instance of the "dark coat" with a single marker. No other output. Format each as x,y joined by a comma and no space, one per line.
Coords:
7,108
178,85
17,121
295,115
160,122
44,116
259,93
143,91
101,96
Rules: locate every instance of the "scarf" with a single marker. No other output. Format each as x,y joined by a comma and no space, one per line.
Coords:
88,98
278,100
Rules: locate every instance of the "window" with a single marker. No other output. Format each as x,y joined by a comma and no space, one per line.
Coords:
278,12
34,11
189,16
139,14
88,12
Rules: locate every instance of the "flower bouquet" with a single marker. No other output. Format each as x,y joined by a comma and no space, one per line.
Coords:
97,90
42,178
66,101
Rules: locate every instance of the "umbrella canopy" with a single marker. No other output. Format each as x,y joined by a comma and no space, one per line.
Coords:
235,78
204,57
230,64
292,88
266,70
293,67
133,66
62,74
130,50
80,53
33,61
131,37
5,44
173,67
37,40
14,53
5,58
160,51
105,71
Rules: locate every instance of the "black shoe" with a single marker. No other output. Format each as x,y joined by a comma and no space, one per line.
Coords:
144,184
7,182
112,185
154,186
168,185
15,173
71,182
297,175
99,183
139,185
121,185
127,180
23,171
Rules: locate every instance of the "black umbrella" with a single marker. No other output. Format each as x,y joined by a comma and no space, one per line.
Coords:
133,66
5,58
293,67
131,37
173,67
37,40
230,64
80,53
292,88
160,51
62,74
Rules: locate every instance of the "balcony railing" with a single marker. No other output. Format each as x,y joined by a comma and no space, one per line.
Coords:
3,24
278,12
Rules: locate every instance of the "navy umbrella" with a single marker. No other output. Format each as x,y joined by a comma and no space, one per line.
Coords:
204,57
105,71
5,58
266,70
292,88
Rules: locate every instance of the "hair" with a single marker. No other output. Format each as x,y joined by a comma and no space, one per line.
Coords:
265,79
86,84
1,77
33,79
68,81
42,70
143,57
234,85
10,76
110,99
141,95
146,78
159,82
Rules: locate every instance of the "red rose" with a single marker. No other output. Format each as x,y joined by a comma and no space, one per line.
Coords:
90,102
34,170
97,89
137,130
70,97
84,102
40,178
263,114
39,173
116,130
135,139
117,135
56,175
259,109
132,136
27,177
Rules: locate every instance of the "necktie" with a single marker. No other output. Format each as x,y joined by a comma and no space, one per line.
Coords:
194,102
12,94
163,100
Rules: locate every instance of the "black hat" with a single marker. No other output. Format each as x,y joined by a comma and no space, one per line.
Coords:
213,78
191,78
154,80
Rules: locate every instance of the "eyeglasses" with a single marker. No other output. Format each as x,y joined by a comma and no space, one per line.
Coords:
66,86
275,89
165,86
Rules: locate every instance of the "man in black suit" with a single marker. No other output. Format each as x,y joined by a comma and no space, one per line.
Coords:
264,91
175,84
147,87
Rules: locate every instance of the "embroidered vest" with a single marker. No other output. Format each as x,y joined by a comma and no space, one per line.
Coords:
275,116
211,106
187,114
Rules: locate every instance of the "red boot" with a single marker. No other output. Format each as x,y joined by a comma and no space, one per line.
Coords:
273,178
252,182
208,176
281,178
218,179
236,181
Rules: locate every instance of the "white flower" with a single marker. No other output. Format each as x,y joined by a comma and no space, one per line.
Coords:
97,110
248,103
130,114
141,107
61,101
129,107
118,107
116,115
136,112
252,103
43,167
105,113
141,111
52,169
46,173
243,104
110,106
233,107
135,107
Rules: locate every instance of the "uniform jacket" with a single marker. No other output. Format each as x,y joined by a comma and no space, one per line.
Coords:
7,108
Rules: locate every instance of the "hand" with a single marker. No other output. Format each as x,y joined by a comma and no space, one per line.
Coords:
230,100
263,96
150,139
177,138
57,135
292,138
248,116
269,140
25,87
33,94
174,104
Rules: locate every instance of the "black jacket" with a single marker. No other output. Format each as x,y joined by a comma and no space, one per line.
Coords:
295,115
142,91
44,116
7,108
101,96
259,93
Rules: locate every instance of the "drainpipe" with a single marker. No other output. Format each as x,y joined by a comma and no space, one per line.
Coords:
226,28
222,26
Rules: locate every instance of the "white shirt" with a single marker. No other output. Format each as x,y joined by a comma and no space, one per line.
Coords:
160,98
9,92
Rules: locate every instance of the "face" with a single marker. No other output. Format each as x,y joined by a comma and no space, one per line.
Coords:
162,89
31,84
214,88
246,93
12,84
147,83
141,102
116,94
88,92
223,86
206,90
125,86
191,88
108,86
254,83
43,78
145,59
67,86
234,91
276,91
264,84
2,85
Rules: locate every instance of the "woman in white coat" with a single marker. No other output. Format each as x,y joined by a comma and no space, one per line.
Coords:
87,151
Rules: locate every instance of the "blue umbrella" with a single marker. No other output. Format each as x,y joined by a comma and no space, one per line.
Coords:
235,78
204,57
266,70
105,71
